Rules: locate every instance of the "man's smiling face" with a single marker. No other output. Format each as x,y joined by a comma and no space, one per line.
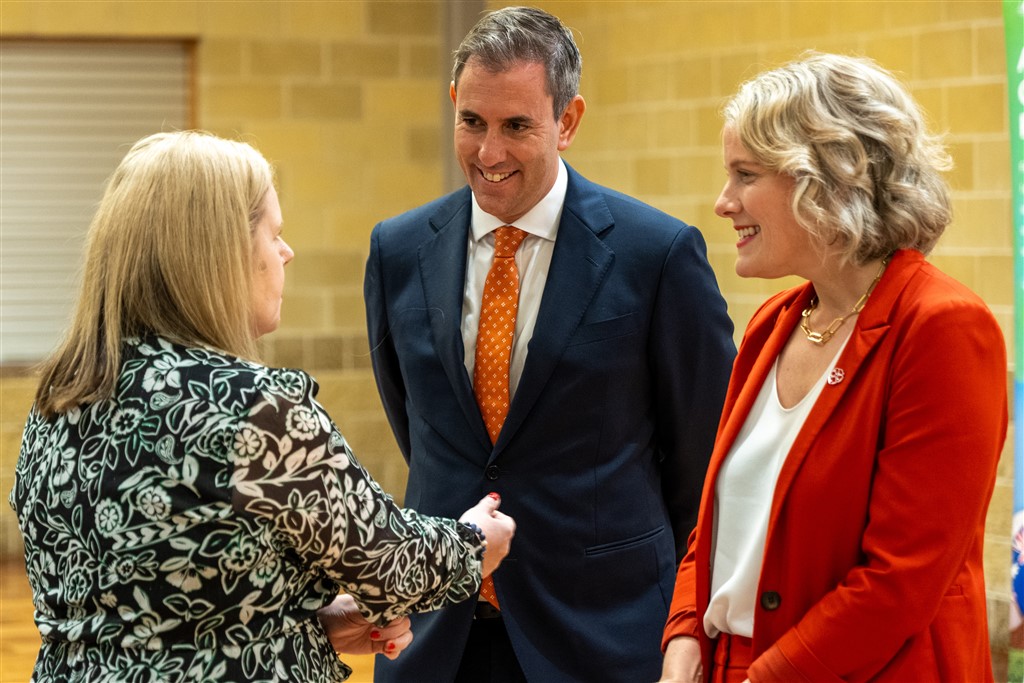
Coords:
506,137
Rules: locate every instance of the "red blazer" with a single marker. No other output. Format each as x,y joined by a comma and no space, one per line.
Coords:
873,559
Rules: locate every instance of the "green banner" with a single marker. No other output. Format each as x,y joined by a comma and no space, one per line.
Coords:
1013,19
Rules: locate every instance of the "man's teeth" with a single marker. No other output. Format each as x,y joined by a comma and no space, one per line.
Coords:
749,231
495,177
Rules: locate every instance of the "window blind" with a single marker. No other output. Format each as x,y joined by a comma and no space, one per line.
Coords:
68,113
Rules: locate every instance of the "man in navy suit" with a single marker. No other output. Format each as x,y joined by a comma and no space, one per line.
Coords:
619,364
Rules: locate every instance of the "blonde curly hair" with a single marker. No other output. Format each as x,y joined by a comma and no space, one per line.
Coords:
868,174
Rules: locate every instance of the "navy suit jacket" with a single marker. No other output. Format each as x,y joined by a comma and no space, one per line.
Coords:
602,456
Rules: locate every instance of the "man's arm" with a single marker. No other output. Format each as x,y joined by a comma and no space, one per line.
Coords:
386,368
692,353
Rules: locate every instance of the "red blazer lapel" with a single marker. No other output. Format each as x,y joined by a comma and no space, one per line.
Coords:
766,335
871,327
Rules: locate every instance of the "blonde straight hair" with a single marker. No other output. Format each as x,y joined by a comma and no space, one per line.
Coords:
169,252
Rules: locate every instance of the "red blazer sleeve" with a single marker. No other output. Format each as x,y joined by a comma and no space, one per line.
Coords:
682,619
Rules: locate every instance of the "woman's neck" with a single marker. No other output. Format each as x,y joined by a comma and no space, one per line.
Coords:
838,290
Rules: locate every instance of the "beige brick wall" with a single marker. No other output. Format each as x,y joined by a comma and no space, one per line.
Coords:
347,99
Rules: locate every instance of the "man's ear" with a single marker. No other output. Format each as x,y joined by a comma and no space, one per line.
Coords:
568,123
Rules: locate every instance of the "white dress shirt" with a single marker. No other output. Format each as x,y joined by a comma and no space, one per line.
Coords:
533,260
743,501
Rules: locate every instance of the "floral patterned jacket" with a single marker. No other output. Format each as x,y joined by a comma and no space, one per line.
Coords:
189,528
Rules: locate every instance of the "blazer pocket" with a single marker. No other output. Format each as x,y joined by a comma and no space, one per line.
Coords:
624,544
604,329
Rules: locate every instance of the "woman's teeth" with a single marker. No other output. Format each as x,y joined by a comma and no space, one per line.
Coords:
749,231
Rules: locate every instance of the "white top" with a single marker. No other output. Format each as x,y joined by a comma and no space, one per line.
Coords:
533,260
743,500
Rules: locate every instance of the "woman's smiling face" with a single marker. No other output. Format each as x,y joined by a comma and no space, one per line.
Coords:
771,242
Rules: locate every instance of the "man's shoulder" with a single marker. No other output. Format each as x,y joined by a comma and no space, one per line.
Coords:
623,208
440,210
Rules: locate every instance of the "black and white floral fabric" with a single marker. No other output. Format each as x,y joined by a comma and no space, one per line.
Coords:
189,528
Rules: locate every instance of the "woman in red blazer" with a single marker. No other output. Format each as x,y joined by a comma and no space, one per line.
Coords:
841,526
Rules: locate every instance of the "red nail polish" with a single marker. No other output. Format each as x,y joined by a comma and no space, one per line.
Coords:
375,634
494,495
391,646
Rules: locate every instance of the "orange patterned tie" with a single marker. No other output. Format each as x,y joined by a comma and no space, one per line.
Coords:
494,343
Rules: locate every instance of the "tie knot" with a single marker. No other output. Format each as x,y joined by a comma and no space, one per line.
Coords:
507,240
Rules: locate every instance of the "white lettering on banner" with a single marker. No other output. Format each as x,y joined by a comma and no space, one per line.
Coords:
1020,90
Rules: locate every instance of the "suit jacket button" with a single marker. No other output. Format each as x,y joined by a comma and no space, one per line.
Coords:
770,600
491,472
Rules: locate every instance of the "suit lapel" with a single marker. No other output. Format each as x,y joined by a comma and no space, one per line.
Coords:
764,344
442,262
870,330
578,265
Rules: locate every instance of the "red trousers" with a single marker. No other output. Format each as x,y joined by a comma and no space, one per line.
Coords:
732,659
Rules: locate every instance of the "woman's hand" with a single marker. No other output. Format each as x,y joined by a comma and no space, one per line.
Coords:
350,633
682,661
498,530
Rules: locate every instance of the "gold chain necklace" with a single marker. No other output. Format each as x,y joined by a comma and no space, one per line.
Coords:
821,338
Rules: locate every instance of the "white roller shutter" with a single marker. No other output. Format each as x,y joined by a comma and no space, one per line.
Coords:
68,114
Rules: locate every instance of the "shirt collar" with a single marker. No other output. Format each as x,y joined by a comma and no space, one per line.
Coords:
542,220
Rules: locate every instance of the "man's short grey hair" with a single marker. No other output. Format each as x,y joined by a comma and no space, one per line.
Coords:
516,35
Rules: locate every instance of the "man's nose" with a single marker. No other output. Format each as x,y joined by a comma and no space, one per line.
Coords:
492,149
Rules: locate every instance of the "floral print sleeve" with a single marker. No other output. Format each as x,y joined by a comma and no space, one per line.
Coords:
295,473
190,527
